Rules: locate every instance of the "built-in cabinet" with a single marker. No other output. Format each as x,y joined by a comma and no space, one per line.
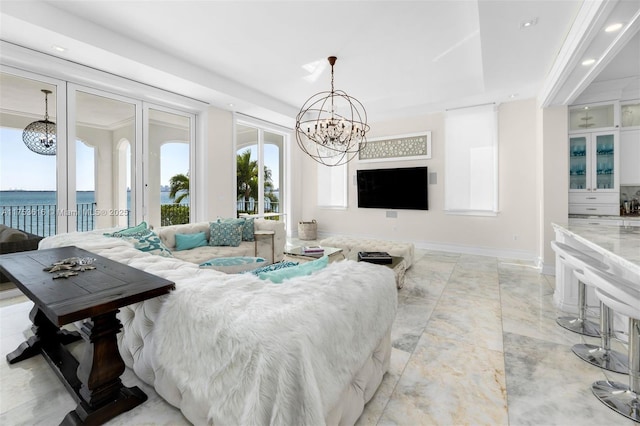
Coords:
594,159
594,184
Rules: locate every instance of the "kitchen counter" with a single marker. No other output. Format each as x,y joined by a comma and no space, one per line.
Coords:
616,246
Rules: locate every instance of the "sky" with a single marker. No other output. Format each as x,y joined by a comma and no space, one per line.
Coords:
21,168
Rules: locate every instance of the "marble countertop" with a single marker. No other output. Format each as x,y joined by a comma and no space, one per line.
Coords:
619,243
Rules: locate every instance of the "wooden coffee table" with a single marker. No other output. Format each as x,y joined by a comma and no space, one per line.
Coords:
95,295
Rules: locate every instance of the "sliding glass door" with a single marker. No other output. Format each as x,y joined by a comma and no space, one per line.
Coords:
167,176
105,148
259,170
30,152
92,168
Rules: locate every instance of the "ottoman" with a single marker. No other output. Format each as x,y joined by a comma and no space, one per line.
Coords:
352,245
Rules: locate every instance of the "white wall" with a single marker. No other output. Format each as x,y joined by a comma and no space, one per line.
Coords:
218,172
513,233
553,179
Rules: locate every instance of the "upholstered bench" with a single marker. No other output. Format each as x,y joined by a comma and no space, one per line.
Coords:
352,245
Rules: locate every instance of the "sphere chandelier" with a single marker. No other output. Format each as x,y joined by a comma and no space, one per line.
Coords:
331,127
40,136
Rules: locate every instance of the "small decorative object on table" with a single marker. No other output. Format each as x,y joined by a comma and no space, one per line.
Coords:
70,267
315,251
379,257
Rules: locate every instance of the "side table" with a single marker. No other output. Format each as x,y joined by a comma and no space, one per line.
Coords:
273,235
94,382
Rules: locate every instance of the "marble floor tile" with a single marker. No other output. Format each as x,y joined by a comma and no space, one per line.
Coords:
467,319
411,319
548,384
449,383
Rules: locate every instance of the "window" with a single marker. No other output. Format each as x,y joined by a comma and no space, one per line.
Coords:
471,161
332,186
259,148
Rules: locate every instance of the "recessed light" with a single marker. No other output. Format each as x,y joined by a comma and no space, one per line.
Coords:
528,24
230,105
613,27
59,48
588,62
513,95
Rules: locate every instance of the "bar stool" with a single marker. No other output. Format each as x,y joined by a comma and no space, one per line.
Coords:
602,356
623,297
578,261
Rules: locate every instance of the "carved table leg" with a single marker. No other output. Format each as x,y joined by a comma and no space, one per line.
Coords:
102,395
45,333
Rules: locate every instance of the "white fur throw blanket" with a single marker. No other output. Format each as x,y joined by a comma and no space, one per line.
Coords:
248,351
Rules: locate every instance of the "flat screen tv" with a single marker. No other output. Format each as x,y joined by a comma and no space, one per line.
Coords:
400,188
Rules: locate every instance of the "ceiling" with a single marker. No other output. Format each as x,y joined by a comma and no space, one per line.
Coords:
399,58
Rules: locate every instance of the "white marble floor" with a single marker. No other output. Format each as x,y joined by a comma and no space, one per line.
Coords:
475,342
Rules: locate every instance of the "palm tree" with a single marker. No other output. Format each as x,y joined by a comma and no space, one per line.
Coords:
247,178
179,187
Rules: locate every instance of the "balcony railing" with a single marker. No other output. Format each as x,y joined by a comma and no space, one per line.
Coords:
42,219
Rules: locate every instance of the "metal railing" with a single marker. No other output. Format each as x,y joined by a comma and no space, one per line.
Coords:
251,206
42,219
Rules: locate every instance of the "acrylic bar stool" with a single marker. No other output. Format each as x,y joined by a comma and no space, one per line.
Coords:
602,356
623,297
579,261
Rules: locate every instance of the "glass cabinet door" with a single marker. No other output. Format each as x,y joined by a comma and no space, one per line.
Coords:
604,161
578,162
591,117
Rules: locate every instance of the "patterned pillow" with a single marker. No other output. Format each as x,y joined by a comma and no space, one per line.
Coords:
247,226
134,230
233,265
301,270
150,242
225,233
248,229
144,240
272,267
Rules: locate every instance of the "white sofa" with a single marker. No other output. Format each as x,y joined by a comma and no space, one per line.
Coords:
198,255
231,349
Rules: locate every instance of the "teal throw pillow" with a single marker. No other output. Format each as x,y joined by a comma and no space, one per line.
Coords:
189,241
248,229
134,230
301,270
145,240
272,267
233,265
225,233
151,243
247,226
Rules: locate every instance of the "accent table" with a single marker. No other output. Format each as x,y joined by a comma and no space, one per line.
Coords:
298,254
255,239
94,382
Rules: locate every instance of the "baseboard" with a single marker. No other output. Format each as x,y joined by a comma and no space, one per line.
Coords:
547,269
456,248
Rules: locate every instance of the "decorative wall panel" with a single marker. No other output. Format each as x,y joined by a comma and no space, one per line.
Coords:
403,147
